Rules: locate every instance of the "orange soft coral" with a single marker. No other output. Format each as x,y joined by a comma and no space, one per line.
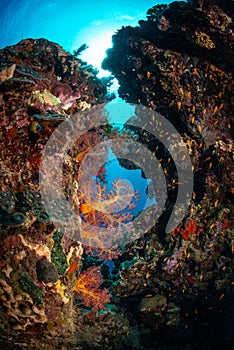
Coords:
105,214
88,285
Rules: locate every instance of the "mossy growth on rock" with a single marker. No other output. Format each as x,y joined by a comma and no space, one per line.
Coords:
28,286
58,256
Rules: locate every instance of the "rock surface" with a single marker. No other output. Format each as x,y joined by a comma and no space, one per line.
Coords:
178,62
169,291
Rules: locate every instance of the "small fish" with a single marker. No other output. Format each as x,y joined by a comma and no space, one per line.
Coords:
35,127
199,128
196,72
178,105
221,106
181,91
148,74
221,296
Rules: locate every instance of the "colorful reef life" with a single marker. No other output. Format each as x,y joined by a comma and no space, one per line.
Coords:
162,290
88,285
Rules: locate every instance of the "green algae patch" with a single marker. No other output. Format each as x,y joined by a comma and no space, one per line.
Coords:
58,256
28,286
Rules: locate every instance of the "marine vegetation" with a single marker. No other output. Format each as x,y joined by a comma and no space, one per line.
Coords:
164,290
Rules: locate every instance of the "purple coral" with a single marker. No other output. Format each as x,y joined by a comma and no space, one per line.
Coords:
66,94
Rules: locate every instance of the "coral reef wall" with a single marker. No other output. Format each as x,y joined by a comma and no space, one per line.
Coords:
178,62
164,291
40,86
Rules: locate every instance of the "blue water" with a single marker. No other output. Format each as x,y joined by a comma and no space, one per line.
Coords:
71,23
119,111
114,171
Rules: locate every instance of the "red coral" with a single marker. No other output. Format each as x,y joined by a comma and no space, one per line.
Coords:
190,231
88,284
34,161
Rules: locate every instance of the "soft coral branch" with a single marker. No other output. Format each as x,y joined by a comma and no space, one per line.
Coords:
107,201
88,285
106,214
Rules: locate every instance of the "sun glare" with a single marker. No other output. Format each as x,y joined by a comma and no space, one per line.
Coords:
95,53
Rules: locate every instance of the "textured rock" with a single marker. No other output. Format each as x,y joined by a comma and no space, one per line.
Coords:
46,271
40,86
169,291
178,62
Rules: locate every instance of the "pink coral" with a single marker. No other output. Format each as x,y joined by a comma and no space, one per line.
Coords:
172,261
66,95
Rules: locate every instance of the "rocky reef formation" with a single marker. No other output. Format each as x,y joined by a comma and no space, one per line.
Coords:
178,63
40,86
163,291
